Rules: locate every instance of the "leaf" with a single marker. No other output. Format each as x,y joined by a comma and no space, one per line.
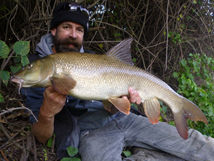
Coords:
127,153
22,47
5,76
164,108
17,59
72,151
70,159
50,142
4,49
75,159
101,46
175,74
66,159
134,105
134,60
24,60
1,98
15,68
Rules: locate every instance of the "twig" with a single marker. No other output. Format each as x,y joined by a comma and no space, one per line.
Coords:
167,31
27,15
11,21
17,108
11,138
2,153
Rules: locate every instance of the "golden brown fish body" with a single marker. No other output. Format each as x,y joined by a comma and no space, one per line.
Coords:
107,77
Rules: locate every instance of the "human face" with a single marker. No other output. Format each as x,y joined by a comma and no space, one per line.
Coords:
68,37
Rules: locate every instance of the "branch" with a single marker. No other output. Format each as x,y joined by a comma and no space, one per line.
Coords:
167,31
18,108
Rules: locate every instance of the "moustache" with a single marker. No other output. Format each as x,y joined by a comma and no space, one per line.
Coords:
70,42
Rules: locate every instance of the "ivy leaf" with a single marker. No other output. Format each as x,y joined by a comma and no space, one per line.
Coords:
175,74
70,159
66,159
134,60
22,47
50,141
72,151
164,108
24,60
127,153
5,76
1,98
15,68
4,49
75,159
101,46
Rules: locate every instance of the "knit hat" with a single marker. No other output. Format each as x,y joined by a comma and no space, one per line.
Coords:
63,12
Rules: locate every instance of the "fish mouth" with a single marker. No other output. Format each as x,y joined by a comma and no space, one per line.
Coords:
19,81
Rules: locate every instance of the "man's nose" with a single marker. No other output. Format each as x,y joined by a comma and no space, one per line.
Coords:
73,34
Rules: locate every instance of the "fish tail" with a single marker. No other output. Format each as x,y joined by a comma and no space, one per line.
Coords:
188,111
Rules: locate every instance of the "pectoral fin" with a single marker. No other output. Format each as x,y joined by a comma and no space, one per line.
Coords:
121,104
152,110
62,83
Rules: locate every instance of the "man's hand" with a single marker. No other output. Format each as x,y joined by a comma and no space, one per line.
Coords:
53,102
134,96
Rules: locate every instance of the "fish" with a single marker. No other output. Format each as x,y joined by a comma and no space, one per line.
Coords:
106,78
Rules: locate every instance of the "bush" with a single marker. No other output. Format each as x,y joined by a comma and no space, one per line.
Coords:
195,79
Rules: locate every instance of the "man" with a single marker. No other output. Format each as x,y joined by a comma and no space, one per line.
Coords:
98,134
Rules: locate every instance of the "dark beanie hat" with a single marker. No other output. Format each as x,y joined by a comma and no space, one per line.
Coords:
60,14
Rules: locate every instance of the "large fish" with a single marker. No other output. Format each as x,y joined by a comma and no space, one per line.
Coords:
107,77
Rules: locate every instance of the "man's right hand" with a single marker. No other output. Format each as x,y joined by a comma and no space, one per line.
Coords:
53,102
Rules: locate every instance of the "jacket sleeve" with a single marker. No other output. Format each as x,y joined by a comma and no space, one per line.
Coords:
33,98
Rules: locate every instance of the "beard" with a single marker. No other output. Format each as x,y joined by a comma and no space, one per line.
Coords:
62,45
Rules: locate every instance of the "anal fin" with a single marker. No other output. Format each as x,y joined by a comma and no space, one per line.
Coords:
121,104
110,107
152,110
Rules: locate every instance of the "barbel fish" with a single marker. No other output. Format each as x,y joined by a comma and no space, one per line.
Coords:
107,78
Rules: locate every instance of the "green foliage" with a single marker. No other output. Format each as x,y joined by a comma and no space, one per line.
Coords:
21,49
45,154
195,79
72,151
176,37
50,141
127,153
1,98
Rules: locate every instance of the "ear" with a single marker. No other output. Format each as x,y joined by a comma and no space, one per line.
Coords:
53,31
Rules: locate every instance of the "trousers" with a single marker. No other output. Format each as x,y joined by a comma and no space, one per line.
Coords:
106,142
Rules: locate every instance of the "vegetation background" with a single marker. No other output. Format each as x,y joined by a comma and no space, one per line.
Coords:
173,40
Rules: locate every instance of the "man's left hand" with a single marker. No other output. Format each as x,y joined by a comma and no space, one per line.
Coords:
134,96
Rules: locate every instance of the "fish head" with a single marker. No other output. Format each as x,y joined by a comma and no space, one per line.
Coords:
35,74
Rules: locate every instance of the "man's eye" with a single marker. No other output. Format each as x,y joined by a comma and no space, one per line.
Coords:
80,30
66,27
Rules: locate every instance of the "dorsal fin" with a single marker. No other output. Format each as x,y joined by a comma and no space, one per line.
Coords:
122,51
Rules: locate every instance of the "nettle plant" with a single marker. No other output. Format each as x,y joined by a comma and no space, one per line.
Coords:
21,49
195,79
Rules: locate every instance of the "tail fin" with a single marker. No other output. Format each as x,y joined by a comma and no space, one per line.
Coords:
188,111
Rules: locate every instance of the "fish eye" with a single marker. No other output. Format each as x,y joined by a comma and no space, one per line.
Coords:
29,66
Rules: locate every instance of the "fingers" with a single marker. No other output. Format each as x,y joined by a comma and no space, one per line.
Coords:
134,96
53,95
